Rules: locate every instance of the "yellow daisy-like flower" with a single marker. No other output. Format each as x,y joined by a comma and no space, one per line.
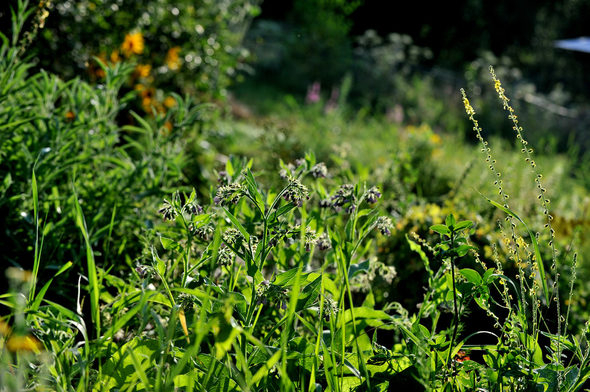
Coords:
143,70
169,102
133,44
172,58
23,343
115,58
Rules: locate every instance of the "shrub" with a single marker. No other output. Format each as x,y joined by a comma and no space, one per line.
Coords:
179,46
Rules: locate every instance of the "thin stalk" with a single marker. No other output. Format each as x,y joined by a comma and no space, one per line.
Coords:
455,313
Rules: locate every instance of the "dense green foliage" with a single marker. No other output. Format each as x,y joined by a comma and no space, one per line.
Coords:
307,247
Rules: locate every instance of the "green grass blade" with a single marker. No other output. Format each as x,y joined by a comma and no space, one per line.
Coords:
37,256
535,246
138,368
93,286
37,302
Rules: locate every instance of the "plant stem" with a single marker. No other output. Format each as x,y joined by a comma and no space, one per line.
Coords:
456,310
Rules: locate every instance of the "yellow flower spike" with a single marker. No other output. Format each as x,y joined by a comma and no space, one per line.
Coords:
23,343
133,44
468,108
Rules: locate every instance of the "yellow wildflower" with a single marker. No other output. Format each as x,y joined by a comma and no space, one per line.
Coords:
115,58
4,328
172,58
23,343
435,138
133,44
19,275
143,70
468,108
169,102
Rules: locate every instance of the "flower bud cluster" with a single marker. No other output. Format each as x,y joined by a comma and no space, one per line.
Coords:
384,225
344,196
330,308
296,192
271,294
372,195
193,208
204,233
324,242
310,239
224,256
229,194
319,170
167,211
233,237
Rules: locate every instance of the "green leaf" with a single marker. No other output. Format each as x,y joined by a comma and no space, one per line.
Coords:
282,211
253,189
309,294
160,266
237,224
287,278
35,305
121,369
358,268
229,168
450,220
440,229
487,276
463,249
168,243
471,275
466,224
93,284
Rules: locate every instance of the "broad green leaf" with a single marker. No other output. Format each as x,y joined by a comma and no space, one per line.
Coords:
282,211
466,224
309,294
471,275
358,268
286,278
168,243
229,168
120,369
450,220
463,249
487,276
440,229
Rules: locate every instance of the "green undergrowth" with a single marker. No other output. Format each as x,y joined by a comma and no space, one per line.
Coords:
297,249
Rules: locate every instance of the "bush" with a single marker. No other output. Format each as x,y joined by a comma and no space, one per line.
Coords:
179,46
